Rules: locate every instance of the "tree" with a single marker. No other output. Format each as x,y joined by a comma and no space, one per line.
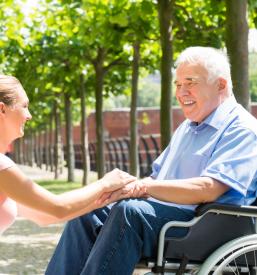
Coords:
238,48
84,133
140,29
165,8
102,48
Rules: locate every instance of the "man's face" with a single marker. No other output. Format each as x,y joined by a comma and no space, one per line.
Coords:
196,97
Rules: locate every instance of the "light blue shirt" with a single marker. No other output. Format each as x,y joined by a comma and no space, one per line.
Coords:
222,147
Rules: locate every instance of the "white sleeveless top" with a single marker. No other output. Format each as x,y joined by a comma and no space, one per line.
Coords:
8,207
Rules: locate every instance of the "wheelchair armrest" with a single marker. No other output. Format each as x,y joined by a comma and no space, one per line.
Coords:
228,209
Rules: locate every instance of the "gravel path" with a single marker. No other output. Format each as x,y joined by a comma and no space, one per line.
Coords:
26,248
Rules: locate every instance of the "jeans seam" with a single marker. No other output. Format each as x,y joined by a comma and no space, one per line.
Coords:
85,260
113,250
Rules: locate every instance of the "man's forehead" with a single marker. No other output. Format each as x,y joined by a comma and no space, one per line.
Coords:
191,69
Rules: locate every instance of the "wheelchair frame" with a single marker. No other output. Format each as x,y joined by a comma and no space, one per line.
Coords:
216,262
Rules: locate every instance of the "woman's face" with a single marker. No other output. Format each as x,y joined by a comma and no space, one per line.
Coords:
17,115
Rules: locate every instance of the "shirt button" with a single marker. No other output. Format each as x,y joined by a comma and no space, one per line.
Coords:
196,132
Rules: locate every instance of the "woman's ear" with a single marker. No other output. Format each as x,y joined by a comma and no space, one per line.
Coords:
2,108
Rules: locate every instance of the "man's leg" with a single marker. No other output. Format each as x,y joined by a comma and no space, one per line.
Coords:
76,243
129,233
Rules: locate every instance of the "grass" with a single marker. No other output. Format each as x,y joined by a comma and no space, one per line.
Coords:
59,186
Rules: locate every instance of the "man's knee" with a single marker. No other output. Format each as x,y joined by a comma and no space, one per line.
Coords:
131,207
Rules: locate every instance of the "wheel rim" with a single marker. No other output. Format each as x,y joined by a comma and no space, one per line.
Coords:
229,263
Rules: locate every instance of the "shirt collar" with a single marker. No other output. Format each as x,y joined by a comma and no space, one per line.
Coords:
217,117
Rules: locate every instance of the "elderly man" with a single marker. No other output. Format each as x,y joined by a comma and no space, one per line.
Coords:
211,157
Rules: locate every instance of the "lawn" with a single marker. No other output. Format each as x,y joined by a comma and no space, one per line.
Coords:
58,186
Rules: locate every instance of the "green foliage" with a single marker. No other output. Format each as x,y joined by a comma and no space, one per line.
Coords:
198,23
49,46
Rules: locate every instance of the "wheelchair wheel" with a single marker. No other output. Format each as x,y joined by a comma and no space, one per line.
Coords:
238,256
241,261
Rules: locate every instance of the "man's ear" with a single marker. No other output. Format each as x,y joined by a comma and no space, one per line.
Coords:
2,108
222,84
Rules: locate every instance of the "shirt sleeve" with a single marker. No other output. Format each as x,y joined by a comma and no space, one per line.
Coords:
158,163
5,162
234,159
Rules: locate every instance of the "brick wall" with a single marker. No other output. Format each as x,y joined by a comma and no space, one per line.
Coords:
116,123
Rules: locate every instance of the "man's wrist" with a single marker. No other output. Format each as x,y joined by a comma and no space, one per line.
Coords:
147,182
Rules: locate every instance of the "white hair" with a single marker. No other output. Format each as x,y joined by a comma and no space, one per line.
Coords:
216,63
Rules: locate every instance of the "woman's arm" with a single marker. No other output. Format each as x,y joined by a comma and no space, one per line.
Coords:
14,184
43,219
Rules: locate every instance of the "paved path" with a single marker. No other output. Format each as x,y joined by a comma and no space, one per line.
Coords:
26,248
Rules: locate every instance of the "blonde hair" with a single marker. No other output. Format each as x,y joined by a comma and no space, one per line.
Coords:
8,89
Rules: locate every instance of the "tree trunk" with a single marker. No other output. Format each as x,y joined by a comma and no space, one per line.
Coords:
25,145
165,12
34,148
31,157
51,142
133,149
18,151
70,156
36,144
99,71
40,151
237,47
46,147
84,133
58,143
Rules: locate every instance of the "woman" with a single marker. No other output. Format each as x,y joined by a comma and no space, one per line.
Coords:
21,196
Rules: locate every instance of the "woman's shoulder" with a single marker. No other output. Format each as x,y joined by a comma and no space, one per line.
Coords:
5,162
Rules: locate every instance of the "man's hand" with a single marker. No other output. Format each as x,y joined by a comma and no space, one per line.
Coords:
135,189
115,180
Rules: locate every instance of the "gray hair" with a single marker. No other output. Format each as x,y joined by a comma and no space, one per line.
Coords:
216,63
9,86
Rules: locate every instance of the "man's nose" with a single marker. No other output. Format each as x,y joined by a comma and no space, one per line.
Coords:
183,90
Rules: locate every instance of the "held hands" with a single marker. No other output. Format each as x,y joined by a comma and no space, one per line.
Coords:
115,180
134,189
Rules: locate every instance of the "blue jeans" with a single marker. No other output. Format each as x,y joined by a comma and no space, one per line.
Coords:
111,241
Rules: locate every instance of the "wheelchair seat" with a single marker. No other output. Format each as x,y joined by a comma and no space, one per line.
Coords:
214,226
212,231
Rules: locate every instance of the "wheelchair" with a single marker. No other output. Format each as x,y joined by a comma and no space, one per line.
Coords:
221,240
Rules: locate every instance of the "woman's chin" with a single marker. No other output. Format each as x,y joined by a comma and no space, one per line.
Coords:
21,134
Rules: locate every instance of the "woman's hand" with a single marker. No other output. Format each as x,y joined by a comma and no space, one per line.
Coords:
115,180
135,189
